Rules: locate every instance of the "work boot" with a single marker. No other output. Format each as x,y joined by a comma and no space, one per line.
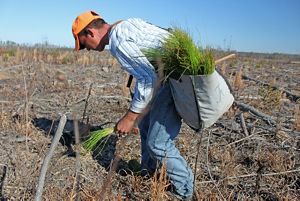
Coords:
174,196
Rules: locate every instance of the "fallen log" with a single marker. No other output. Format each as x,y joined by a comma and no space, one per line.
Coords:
247,108
252,175
243,124
290,95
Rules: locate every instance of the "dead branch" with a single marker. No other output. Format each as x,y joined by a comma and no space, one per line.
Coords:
240,140
227,128
224,58
16,139
292,133
243,124
247,108
12,67
3,101
208,168
114,97
77,164
251,175
197,157
290,95
113,168
107,182
87,102
106,85
57,136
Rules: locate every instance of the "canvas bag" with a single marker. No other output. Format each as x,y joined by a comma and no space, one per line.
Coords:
201,100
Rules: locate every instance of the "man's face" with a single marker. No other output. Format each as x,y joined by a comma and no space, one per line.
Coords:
94,39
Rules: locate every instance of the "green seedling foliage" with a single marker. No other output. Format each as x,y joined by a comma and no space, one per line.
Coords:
95,137
179,55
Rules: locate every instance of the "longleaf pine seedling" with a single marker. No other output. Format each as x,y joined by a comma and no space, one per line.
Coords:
95,137
180,56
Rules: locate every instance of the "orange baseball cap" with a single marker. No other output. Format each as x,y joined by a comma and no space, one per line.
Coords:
80,23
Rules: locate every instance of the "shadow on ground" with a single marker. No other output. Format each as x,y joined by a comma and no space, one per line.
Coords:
104,153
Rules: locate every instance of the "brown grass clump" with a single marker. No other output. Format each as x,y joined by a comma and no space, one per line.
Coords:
19,125
275,160
159,184
5,122
226,157
271,98
238,81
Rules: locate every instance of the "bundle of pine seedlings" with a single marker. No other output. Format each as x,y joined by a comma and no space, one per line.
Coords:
97,137
180,56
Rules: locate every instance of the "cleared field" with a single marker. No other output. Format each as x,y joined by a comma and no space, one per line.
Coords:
244,156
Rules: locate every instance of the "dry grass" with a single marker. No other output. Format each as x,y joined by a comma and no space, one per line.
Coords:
271,98
159,184
238,81
16,55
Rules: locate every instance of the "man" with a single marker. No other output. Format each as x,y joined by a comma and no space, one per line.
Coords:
158,128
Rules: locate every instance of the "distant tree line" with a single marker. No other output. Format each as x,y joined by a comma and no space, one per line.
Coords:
46,44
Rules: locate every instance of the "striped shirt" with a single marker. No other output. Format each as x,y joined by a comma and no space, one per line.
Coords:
126,42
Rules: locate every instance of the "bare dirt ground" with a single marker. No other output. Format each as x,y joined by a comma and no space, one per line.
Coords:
242,157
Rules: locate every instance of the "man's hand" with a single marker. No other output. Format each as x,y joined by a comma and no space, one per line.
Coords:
126,124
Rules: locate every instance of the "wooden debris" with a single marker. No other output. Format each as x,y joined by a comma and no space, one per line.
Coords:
247,108
290,95
47,159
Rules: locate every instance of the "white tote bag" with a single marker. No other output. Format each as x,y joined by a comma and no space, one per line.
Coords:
202,99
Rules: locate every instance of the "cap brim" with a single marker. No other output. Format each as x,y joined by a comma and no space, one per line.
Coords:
78,46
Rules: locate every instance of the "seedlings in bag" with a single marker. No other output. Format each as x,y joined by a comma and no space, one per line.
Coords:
180,56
